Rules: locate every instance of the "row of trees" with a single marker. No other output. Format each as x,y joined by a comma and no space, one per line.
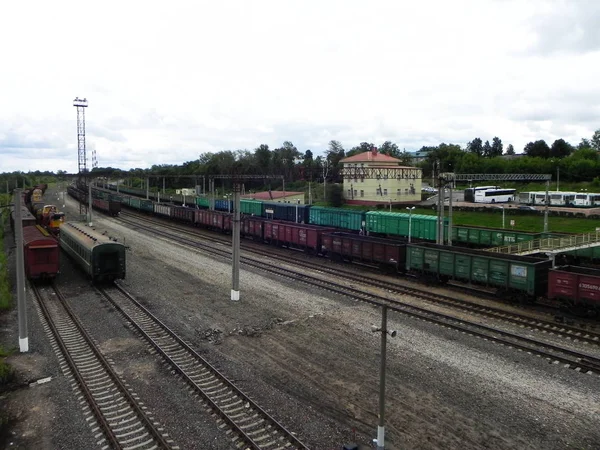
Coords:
576,163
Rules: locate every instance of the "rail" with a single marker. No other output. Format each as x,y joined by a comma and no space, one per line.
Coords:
550,244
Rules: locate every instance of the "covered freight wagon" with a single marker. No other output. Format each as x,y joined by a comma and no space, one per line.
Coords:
347,219
423,227
365,249
523,275
41,253
289,212
251,207
577,287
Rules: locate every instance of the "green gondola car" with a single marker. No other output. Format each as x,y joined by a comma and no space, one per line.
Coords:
525,275
489,237
203,202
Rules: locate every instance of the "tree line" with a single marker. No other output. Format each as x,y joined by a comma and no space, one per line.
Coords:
576,163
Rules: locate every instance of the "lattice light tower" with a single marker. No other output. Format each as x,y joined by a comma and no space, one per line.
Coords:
82,159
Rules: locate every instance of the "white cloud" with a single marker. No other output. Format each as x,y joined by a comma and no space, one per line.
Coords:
169,80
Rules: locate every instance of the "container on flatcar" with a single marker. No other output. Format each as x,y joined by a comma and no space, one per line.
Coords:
421,226
522,274
336,217
216,220
295,235
575,286
163,210
251,207
183,214
489,237
366,249
41,253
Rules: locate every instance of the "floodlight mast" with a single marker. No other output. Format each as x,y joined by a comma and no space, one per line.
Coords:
81,104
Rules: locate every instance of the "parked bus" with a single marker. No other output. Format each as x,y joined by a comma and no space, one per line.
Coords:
494,195
470,192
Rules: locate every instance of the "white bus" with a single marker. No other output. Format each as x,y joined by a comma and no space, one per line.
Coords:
470,192
495,195
562,198
587,199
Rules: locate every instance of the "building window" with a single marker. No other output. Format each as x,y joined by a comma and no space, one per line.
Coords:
399,192
362,180
349,193
406,191
385,192
362,193
355,192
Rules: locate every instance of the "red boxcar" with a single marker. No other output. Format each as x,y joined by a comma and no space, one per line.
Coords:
101,205
41,253
575,286
368,249
295,235
215,220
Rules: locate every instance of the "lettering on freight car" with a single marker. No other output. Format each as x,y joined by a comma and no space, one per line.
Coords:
508,239
591,287
518,271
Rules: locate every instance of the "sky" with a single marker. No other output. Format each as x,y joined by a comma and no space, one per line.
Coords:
167,81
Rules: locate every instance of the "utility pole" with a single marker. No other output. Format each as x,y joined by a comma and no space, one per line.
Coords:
90,202
21,297
235,290
546,208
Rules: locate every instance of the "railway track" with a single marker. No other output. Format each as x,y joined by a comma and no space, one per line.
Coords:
561,330
121,419
253,428
570,358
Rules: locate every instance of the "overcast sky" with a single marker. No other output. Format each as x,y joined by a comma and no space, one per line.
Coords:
168,80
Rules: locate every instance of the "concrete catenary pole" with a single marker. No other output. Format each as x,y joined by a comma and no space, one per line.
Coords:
147,188
90,205
235,288
381,423
449,237
21,297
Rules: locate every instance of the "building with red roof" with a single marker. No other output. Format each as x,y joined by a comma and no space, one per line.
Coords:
399,184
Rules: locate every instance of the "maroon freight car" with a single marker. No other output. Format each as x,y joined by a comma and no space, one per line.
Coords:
183,214
366,249
215,220
253,226
577,287
110,207
41,253
295,235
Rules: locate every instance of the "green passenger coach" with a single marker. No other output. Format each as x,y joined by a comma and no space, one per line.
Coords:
100,257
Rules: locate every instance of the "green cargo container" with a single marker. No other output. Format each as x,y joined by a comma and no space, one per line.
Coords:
251,207
397,224
337,217
489,237
203,202
147,205
524,274
115,198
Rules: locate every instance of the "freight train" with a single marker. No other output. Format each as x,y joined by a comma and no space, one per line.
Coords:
101,200
522,278
40,249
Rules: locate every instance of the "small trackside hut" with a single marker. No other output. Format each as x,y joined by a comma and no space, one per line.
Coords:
100,257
